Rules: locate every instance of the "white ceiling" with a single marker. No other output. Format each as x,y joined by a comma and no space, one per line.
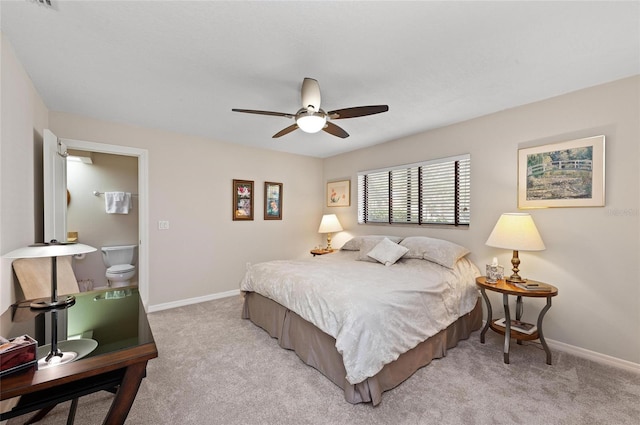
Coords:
182,65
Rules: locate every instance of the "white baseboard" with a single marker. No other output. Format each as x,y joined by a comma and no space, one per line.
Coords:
591,355
594,356
189,301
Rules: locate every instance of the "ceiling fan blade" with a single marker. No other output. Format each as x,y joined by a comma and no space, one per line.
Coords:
285,131
358,111
335,130
310,94
276,114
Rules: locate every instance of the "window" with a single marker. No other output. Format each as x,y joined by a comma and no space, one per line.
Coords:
436,192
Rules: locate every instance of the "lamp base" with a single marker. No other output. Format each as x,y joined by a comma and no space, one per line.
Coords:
328,248
515,279
66,351
62,302
56,359
515,262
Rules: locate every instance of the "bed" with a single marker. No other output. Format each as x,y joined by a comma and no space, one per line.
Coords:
371,314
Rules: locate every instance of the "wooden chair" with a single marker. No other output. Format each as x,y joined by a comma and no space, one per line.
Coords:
34,276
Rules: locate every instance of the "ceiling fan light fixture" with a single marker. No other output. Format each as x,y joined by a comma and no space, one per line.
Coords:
311,122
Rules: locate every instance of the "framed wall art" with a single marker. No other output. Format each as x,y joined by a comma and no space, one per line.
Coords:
564,174
272,201
339,193
242,200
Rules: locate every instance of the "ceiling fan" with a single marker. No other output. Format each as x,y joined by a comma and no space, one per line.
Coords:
311,119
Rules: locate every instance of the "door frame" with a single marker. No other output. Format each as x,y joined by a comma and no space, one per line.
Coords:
143,202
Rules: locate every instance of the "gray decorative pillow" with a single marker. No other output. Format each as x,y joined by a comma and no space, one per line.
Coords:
354,243
387,252
367,245
437,251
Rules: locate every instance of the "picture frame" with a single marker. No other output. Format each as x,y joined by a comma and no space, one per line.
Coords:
339,193
272,201
242,200
562,175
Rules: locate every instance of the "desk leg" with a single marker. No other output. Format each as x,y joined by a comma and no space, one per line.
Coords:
125,395
542,341
489,315
507,329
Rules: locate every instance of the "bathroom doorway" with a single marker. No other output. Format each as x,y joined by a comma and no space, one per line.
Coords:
114,154
90,175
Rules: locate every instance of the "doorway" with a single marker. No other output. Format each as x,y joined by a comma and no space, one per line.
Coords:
90,176
142,156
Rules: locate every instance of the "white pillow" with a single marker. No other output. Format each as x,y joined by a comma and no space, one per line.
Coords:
437,251
355,243
387,252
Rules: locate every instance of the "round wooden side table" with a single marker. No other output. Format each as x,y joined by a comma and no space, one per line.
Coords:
506,288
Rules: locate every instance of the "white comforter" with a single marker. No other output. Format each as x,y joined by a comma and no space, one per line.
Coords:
374,312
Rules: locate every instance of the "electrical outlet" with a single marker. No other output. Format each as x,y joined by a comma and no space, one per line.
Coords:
163,225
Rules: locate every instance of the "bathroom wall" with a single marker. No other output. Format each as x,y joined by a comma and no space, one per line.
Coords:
86,212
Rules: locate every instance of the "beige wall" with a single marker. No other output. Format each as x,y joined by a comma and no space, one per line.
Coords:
86,212
23,115
592,253
204,252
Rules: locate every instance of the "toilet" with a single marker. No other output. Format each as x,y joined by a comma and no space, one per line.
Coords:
120,261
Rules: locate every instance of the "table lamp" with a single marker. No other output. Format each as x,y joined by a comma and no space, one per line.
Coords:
53,249
518,232
328,225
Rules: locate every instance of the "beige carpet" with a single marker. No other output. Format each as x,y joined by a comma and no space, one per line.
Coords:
215,368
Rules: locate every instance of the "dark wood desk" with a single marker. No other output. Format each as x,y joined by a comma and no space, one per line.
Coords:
117,321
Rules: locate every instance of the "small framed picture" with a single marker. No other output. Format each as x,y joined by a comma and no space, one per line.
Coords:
272,201
242,200
339,193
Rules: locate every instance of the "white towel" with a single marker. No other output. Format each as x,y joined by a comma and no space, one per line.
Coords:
117,202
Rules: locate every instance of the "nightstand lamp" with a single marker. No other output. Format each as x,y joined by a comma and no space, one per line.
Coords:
328,225
518,232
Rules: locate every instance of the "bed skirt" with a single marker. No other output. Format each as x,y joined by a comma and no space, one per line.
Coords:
317,349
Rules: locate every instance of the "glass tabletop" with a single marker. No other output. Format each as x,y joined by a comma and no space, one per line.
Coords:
114,318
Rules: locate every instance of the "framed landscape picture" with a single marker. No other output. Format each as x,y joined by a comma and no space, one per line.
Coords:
564,174
339,193
272,201
242,200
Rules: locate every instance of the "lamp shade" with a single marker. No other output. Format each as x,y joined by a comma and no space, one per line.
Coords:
516,231
329,224
50,250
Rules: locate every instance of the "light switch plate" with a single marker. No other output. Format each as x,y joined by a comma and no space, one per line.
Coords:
163,225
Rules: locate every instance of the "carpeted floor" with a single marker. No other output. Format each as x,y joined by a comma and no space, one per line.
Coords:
215,368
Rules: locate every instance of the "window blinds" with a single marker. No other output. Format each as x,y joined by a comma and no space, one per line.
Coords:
431,192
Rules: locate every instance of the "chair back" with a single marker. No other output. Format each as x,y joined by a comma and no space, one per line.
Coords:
34,276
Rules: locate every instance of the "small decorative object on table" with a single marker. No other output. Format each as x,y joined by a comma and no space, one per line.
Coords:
495,272
17,354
